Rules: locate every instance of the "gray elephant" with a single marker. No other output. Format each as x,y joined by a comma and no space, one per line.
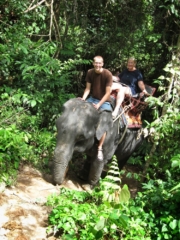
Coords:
79,128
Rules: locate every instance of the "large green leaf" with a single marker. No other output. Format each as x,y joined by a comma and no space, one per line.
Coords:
124,195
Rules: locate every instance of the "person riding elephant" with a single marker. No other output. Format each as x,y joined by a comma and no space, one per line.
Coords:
129,82
86,126
98,85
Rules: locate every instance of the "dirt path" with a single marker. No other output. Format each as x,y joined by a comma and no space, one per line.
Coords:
23,214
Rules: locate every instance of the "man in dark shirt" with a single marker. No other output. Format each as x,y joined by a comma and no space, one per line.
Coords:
98,85
129,82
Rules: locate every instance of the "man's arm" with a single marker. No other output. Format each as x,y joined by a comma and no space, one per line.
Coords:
86,91
142,87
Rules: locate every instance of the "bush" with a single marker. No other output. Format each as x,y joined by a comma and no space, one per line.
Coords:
21,138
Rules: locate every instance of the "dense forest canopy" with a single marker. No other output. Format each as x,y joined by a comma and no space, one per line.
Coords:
46,48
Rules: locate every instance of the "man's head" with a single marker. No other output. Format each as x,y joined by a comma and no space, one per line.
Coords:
131,64
98,63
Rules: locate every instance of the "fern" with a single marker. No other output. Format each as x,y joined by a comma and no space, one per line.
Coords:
110,186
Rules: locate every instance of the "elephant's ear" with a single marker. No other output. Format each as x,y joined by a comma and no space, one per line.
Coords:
105,124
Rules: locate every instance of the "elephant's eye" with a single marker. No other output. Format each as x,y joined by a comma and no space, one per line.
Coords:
62,130
80,137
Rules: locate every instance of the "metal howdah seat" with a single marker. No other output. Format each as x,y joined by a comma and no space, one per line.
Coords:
136,106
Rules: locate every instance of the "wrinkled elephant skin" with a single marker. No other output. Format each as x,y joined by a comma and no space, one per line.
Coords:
79,128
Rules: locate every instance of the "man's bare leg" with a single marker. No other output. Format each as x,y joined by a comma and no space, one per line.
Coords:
119,100
121,92
100,150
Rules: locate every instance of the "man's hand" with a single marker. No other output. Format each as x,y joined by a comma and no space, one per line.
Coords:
80,98
97,106
144,92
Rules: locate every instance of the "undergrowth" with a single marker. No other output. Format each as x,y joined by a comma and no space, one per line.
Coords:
22,141
108,212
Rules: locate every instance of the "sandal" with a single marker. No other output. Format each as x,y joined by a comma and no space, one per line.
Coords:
100,155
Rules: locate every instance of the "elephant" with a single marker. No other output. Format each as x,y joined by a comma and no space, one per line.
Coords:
79,128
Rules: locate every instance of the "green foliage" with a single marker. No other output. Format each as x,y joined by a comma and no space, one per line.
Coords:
99,215
161,193
165,130
20,138
42,143
46,81
77,215
96,215
110,185
84,215
45,54
13,148
43,62
32,38
164,205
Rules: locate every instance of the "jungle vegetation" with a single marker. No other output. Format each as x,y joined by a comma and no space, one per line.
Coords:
46,48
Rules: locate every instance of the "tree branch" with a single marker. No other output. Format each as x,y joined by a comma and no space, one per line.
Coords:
35,6
31,3
51,20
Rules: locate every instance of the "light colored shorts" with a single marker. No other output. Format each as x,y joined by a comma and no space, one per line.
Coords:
105,106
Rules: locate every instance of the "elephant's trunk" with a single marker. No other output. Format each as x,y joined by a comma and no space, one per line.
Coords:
62,155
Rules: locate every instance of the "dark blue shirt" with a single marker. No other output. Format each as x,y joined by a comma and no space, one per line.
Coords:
131,79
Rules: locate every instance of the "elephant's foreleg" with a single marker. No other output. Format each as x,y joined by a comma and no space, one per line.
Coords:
95,171
62,156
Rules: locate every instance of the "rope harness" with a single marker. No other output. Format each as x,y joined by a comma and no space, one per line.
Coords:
136,106
119,117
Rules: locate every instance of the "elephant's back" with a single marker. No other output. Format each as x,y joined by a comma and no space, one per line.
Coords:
76,111
80,108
